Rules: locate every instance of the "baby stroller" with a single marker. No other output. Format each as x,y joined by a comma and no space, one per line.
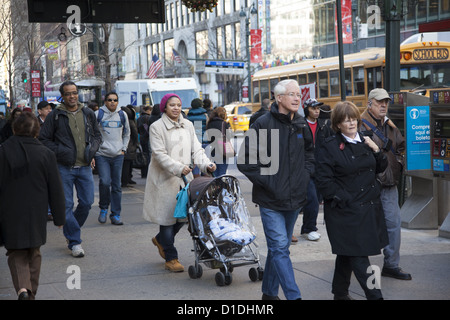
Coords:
221,230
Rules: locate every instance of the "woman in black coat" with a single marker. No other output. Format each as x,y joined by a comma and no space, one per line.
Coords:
30,183
346,176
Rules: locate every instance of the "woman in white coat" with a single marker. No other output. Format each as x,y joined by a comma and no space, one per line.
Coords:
174,148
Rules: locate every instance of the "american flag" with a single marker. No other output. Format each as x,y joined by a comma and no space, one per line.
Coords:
175,56
154,67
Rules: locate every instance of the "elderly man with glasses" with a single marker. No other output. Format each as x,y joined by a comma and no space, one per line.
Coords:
72,133
284,136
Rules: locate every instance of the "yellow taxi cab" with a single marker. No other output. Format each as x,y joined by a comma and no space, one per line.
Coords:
238,115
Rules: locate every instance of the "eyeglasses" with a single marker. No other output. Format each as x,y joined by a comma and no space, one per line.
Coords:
112,100
68,94
292,94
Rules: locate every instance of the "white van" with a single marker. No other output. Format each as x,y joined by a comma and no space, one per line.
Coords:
150,91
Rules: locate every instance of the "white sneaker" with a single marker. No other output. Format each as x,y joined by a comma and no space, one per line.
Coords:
77,251
312,236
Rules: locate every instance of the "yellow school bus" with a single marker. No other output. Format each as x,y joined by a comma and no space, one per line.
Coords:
425,62
364,71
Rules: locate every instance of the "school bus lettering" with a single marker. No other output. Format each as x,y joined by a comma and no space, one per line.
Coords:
431,54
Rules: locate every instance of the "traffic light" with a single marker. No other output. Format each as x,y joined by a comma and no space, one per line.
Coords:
24,77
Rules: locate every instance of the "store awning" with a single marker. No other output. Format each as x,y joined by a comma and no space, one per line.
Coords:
90,83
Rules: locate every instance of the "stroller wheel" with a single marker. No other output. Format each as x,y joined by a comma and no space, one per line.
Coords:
260,273
256,274
195,272
220,279
223,279
253,274
228,279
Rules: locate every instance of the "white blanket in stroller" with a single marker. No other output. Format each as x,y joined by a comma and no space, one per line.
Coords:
224,229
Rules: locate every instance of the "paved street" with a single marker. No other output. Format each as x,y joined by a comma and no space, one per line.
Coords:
122,263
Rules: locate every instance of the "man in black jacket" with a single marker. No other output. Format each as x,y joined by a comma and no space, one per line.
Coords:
279,163
71,132
263,110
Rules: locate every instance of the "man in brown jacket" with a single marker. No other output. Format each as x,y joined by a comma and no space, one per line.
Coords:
388,137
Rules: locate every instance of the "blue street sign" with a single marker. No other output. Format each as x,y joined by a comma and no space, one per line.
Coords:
224,64
417,127
133,98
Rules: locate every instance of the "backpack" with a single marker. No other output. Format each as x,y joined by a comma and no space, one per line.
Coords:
101,112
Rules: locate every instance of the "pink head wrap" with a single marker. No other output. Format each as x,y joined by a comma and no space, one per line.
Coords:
162,105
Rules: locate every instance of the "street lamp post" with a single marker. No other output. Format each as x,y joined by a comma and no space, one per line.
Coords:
117,51
243,14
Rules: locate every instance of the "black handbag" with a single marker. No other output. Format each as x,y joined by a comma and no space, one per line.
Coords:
141,160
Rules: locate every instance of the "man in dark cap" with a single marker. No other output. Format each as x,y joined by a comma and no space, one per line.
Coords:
389,138
43,108
264,109
319,130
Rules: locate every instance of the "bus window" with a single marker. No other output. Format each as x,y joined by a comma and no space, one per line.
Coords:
273,83
441,73
256,92
282,78
379,81
301,78
373,78
415,76
334,83
264,89
358,80
348,82
293,77
312,78
323,84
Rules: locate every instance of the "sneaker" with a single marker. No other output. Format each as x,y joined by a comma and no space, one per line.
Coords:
115,219
102,215
77,251
312,236
174,266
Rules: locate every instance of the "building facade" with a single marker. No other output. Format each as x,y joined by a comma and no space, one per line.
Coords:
291,31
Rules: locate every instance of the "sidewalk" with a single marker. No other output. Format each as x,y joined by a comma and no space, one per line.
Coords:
122,263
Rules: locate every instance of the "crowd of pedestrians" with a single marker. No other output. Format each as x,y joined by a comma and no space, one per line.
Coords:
350,163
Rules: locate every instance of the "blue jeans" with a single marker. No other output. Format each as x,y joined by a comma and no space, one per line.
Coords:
221,169
278,227
83,180
109,186
311,209
166,238
389,200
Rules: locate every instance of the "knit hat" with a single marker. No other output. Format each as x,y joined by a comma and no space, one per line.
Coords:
162,105
196,103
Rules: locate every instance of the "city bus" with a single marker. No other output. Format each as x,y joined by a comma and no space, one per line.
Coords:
425,66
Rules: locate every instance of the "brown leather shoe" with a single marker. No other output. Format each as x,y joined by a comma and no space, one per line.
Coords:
174,266
160,248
